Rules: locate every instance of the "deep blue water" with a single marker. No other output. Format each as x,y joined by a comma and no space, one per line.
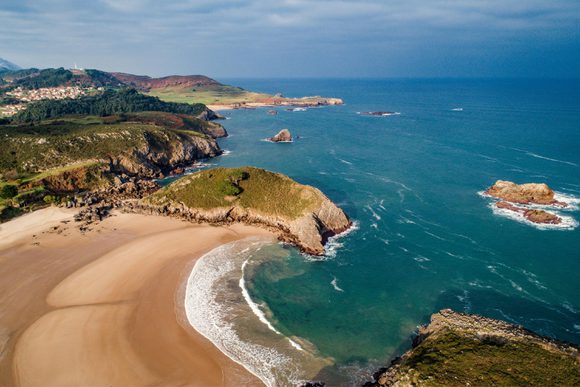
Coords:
426,239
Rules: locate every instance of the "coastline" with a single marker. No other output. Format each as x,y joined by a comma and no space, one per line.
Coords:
297,102
107,306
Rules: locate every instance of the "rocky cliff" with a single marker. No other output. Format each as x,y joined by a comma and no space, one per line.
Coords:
458,349
299,214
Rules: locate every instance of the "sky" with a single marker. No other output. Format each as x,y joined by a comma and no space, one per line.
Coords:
297,38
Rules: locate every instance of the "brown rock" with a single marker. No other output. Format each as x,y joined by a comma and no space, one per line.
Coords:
542,217
282,136
523,193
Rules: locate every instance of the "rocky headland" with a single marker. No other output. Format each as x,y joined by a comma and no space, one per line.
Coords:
458,349
283,136
298,214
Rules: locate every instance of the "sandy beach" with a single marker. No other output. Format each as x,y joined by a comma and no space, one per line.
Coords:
105,307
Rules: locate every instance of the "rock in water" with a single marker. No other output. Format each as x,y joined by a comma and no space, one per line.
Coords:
523,193
282,136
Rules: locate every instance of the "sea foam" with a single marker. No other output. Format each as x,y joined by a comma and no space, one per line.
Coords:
237,325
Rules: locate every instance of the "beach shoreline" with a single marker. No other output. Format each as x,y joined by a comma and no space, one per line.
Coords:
107,306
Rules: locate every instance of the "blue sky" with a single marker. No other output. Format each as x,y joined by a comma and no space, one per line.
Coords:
297,38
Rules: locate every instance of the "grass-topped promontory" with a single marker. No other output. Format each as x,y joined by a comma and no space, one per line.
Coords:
267,192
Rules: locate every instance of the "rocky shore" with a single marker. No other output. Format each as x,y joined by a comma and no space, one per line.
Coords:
457,349
279,102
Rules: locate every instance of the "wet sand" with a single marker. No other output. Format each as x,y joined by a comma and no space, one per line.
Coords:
105,307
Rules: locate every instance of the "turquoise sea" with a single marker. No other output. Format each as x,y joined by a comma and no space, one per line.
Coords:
424,238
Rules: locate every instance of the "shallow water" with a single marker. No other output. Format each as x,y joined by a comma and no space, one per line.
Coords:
426,239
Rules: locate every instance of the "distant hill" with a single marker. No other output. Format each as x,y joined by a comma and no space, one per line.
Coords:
174,88
8,66
146,83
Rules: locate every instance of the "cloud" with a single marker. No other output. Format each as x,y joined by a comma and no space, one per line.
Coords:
294,37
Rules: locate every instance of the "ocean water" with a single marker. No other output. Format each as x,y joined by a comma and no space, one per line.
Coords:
425,239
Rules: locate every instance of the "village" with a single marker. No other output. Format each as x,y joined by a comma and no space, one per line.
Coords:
25,96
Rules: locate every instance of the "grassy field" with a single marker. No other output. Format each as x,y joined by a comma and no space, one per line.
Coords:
450,359
246,187
216,95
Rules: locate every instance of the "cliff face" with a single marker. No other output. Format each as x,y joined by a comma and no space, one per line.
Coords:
458,349
163,152
299,214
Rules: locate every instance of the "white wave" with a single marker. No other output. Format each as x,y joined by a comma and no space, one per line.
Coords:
385,241
516,286
256,308
435,236
373,213
210,318
567,222
333,243
421,258
276,142
457,109
531,277
550,159
571,201
466,301
335,286
569,307
345,161
404,220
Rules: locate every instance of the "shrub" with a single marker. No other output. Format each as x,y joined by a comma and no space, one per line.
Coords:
49,199
229,189
8,191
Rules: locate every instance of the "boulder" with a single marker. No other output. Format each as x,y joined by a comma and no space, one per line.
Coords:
283,136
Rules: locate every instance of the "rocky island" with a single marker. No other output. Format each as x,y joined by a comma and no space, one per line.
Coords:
283,136
520,199
299,214
458,349
530,193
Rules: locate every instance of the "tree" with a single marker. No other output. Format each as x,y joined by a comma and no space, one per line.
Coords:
8,191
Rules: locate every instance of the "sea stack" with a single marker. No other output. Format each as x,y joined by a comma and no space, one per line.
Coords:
282,136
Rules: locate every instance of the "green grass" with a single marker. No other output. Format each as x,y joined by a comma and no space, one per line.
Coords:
32,149
453,359
60,170
266,192
208,96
